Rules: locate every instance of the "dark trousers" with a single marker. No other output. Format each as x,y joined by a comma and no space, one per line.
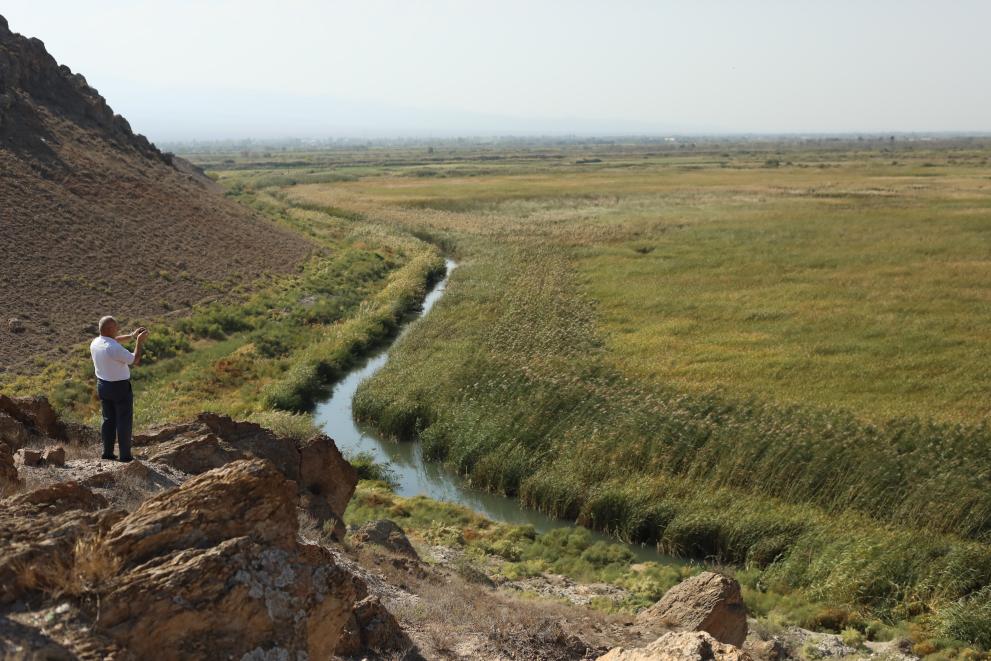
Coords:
117,401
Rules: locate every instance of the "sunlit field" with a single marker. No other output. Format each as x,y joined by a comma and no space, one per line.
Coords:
772,357
856,286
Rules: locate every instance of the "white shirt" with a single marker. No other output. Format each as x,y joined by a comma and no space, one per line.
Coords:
110,359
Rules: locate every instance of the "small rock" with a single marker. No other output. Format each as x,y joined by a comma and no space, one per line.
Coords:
707,602
680,646
15,325
371,627
386,534
54,456
27,457
768,650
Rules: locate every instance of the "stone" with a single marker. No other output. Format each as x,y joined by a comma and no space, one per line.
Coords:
136,474
680,646
28,457
386,534
53,456
232,501
372,628
213,569
326,481
15,325
8,470
58,498
707,602
194,455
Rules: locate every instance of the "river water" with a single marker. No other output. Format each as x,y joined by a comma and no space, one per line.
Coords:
414,475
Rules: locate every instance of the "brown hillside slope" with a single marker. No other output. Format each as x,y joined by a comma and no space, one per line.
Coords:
95,219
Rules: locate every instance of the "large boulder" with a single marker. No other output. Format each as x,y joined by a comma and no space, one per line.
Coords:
214,569
680,646
707,602
325,480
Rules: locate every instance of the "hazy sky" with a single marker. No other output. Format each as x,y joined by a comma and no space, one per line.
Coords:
182,69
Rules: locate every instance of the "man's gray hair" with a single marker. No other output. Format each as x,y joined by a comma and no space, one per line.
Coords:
104,321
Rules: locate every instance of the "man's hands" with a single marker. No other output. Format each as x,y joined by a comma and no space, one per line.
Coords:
133,334
142,334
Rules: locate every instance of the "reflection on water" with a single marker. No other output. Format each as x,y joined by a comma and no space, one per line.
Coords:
416,476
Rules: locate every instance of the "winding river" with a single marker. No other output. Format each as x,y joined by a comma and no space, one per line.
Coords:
414,475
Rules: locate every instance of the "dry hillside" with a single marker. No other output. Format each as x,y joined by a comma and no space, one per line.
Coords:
94,219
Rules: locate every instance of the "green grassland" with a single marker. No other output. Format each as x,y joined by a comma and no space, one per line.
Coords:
772,362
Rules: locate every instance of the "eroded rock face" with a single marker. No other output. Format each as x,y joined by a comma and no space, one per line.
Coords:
325,480
707,602
214,568
680,646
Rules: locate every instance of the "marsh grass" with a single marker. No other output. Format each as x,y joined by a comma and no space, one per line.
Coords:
770,367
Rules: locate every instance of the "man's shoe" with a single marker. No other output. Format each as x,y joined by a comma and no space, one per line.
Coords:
124,460
109,457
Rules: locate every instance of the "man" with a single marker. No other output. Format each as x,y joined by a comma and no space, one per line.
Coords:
113,384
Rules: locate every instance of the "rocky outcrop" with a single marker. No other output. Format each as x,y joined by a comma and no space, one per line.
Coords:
325,480
680,646
241,499
28,69
214,569
386,534
707,602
